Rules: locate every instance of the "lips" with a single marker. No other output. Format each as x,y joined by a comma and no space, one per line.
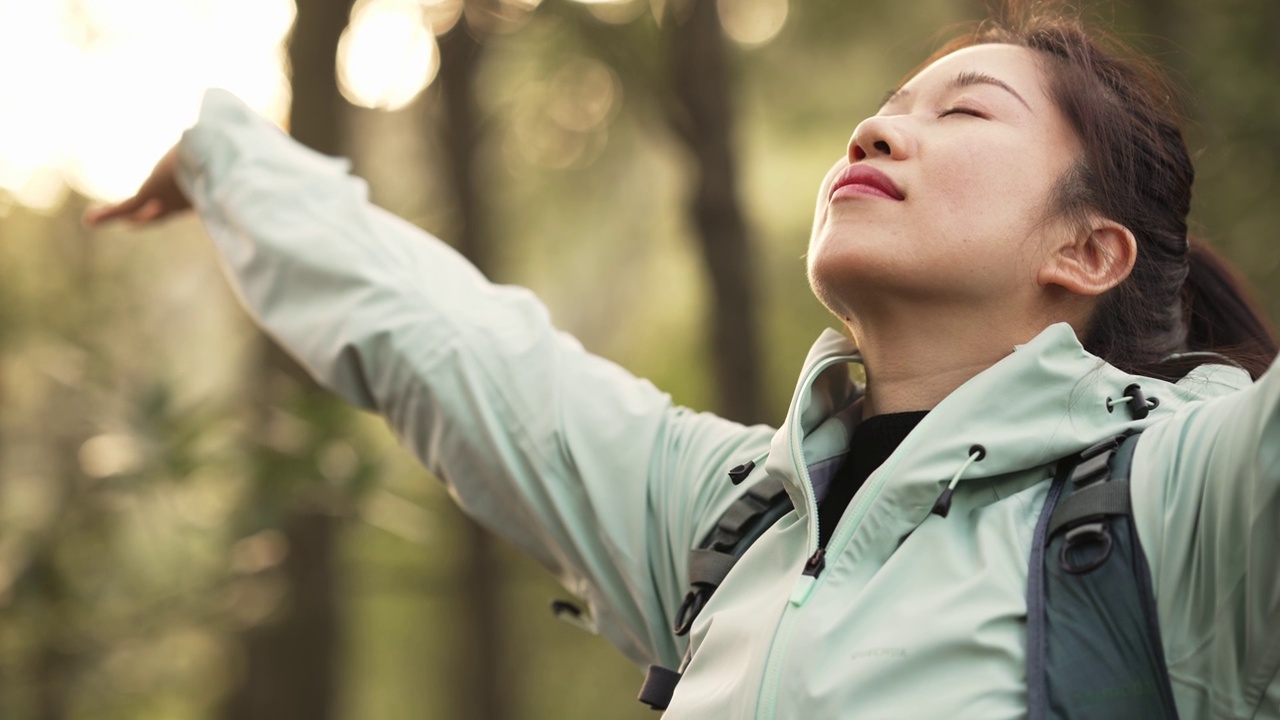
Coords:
858,179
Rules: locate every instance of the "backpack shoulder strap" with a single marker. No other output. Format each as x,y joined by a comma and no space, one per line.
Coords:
736,530
746,519
1093,637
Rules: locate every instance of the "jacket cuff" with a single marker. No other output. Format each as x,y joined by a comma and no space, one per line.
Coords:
228,133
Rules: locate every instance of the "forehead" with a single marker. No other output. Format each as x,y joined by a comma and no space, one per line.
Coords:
1017,66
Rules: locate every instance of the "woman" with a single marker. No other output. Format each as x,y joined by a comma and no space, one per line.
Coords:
1006,243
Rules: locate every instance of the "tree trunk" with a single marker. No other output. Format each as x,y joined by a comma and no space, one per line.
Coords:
477,671
460,54
290,668
52,664
702,118
290,664
317,107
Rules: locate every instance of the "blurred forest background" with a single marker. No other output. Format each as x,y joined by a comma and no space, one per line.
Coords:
189,529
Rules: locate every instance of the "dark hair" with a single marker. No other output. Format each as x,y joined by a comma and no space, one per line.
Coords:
1134,170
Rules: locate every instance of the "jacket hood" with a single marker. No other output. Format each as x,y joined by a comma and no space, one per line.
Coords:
1046,400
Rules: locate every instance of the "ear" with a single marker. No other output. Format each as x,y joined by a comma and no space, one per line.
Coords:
1092,261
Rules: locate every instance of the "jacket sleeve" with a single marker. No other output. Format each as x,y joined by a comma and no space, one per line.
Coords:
1206,489
593,472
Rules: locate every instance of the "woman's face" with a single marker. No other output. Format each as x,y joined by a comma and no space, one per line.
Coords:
944,195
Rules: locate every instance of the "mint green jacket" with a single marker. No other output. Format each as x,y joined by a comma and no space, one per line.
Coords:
608,484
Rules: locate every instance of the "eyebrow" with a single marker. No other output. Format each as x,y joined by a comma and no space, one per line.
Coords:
963,80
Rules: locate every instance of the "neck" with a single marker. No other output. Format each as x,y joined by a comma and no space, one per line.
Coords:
914,365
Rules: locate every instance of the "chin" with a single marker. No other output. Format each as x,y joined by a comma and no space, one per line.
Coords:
848,278
835,285
848,257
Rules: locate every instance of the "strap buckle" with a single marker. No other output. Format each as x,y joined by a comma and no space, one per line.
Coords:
693,603
659,685
1095,536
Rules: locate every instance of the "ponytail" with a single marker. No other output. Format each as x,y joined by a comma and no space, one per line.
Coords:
1221,314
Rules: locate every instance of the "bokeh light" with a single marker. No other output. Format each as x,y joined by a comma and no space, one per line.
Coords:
523,5
441,15
616,12
110,454
387,55
583,94
752,22
562,122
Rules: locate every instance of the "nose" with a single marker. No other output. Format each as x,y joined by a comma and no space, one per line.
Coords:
881,136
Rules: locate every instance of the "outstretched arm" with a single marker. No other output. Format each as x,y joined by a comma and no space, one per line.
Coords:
1206,488
592,471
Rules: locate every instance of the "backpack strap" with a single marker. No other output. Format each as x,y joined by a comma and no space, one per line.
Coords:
1093,637
745,521
741,525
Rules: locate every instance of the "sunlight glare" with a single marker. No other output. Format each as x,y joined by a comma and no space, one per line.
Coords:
130,129
33,116
42,190
257,24
110,84
386,56
127,18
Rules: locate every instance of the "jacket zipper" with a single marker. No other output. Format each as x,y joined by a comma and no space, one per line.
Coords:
767,699
766,706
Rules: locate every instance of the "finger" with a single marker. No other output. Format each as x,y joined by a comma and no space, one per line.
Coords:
152,209
96,216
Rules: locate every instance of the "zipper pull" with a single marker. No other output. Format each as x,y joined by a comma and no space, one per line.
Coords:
812,568
816,563
740,472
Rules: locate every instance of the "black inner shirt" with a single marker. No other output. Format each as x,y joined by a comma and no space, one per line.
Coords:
873,441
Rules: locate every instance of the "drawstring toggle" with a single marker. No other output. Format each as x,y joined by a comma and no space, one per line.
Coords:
943,504
1139,405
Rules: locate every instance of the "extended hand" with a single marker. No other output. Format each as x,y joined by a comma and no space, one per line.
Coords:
159,197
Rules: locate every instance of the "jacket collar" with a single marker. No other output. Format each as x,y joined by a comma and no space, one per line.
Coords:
1045,400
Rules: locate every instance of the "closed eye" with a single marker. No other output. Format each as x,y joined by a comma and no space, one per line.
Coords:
961,111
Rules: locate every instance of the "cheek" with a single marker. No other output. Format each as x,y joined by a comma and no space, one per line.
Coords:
995,190
974,175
